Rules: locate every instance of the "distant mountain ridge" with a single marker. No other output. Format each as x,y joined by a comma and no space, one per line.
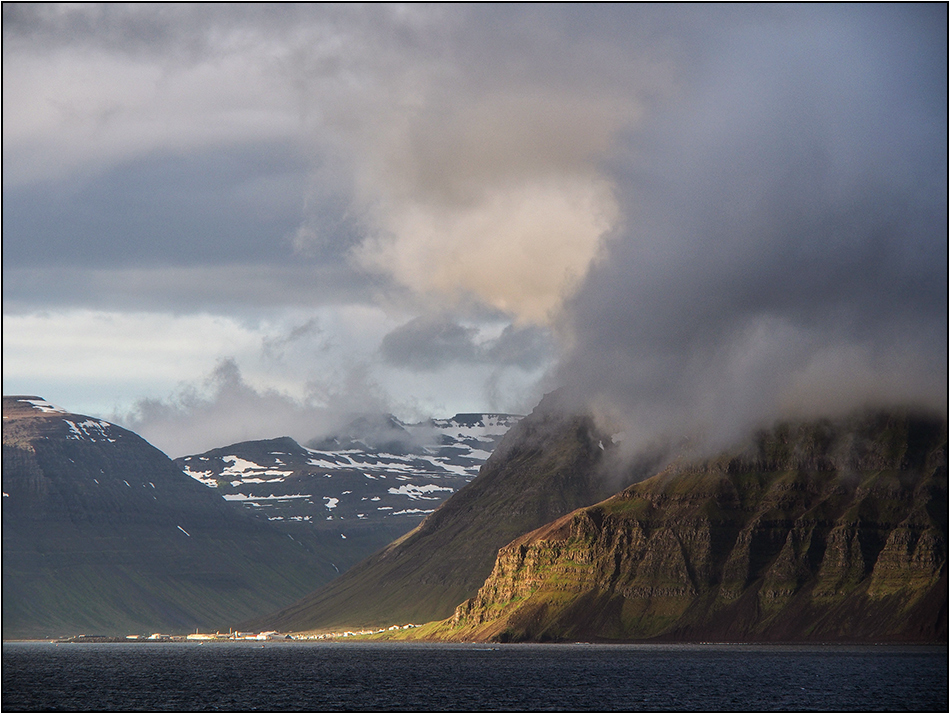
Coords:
436,437
103,534
364,487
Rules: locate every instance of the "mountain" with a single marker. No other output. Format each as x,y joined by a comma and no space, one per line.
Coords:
355,492
819,532
103,534
544,467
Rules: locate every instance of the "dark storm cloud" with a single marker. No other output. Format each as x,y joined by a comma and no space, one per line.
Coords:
785,246
432,342
428,343
228,206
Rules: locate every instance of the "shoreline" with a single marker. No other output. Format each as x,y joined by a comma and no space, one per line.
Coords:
181,639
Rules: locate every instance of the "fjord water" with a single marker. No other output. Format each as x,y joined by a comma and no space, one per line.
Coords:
417,677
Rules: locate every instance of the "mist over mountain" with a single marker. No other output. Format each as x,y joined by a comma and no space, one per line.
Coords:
784,253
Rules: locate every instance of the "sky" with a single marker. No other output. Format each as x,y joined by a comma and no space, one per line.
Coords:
235,221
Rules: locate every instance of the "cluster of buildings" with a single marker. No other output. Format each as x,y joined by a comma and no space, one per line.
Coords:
352,633
271,635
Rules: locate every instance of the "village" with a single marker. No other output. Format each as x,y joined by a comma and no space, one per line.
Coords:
233,636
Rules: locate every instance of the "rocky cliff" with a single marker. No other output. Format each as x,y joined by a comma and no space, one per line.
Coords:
547,465
816,532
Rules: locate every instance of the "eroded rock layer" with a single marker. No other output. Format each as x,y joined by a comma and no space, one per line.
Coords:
817,532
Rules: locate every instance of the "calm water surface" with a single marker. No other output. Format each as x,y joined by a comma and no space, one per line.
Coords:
399,677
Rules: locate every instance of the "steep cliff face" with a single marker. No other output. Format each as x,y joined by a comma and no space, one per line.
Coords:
819,532
103,534
545,467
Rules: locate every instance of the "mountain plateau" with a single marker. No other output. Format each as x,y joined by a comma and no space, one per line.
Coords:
103,534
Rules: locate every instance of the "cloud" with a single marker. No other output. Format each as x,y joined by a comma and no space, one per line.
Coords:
717,213
520,249
477,177
456,152
785,244
234,290
274,347
439,156
90,87
91,346
224,409
525,347
427,343
432,342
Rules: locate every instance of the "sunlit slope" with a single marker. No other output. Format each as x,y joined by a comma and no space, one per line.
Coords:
103,534
545,467
819,532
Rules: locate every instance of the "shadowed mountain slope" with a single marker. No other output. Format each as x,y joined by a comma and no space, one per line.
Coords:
819,532
103,534
545,467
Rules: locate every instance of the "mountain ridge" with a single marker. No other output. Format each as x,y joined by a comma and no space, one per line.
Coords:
819,532
102,533
356,492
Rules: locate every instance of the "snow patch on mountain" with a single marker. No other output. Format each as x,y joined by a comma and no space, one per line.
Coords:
205,477
429,461
416,492
250,472
414,512
44,406
89,430
271,497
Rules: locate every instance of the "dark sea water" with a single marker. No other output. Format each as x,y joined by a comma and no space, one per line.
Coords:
418,677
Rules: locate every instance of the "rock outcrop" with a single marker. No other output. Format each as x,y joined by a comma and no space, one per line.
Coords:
819,532
547,465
